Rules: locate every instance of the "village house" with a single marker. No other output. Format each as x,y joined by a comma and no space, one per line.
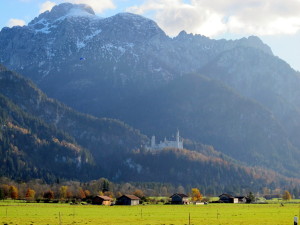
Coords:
101,200
226,198
242,199
128,200
179,199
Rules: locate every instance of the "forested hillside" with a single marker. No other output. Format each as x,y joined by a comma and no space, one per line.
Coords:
103,137
207,111
32,149
40,128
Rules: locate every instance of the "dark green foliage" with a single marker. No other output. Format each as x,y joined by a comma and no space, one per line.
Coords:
31,149
105,185
97,135
184,167
35,128
1,194
57,126
251,198
48,195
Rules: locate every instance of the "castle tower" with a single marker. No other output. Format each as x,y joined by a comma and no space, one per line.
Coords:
153,142
177,138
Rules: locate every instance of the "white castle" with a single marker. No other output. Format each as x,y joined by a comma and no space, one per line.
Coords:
178,143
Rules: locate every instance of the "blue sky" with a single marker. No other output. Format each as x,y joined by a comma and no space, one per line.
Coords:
276,22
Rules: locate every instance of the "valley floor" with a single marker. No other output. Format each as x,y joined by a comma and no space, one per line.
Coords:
221,214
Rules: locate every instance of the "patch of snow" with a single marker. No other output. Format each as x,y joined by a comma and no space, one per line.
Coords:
121,49
75,12
43,26
80,44
41,63
130,45
157,70
91,36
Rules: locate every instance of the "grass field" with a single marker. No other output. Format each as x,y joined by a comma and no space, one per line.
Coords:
212,214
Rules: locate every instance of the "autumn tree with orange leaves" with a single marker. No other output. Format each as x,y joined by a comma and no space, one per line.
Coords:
14,193
30,194
196,195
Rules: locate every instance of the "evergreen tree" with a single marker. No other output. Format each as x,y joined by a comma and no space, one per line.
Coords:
105,185
251,197
1,194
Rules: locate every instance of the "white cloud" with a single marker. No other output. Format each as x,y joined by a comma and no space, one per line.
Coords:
98,5
213,17
15,22
48,5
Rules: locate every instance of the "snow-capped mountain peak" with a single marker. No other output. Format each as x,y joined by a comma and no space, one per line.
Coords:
63,11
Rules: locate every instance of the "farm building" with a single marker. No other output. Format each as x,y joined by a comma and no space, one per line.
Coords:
101,200
179,199
226,198
242,199
128,200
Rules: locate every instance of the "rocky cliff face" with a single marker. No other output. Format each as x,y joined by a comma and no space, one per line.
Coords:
70,50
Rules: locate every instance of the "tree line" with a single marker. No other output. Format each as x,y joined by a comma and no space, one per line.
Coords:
67,191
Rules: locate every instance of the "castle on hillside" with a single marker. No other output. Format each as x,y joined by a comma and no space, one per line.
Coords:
178,143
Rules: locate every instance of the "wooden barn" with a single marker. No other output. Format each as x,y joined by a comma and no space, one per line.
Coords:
128,200
179,199
101,200
226,198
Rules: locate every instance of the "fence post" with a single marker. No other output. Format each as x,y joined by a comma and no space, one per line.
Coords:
59,218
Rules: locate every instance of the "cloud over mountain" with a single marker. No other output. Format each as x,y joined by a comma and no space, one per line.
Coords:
212,17
48,5
98,6
15,22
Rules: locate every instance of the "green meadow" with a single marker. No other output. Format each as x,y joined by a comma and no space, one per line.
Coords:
211,214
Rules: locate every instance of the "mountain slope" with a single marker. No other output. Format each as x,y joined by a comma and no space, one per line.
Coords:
110,143
212,174
103,137
32,149
208,112
122,55
266,79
